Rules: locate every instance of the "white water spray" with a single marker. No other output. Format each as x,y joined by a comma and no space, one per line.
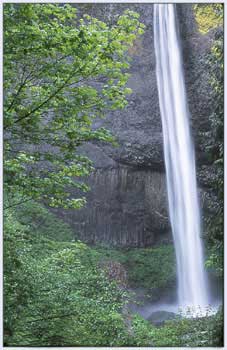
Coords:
179,160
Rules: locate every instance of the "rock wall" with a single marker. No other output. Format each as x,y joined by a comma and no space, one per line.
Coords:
127,204
125,207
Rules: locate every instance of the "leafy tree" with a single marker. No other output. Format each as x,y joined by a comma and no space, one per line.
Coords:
55,293
210,18
16,271
60,73
83,306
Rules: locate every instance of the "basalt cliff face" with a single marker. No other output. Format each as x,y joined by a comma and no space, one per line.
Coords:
127,204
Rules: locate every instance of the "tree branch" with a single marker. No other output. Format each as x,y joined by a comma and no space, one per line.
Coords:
52,317
16,204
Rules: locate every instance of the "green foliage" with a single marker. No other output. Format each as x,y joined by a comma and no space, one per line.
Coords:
216,148
55,294
16,271
205,331
60,73
210,17
143,266
143,331
41,222
78,297
182,332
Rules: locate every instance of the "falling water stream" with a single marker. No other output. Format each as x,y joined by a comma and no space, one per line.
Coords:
179,160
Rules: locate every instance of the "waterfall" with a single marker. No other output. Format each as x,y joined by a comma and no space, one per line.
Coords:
179,160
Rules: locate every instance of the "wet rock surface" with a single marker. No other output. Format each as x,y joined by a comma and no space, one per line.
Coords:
125,207
127,204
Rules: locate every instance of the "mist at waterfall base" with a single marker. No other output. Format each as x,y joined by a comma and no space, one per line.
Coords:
193,297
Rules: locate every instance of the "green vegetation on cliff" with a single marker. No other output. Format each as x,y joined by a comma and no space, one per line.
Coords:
143,266
210,19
